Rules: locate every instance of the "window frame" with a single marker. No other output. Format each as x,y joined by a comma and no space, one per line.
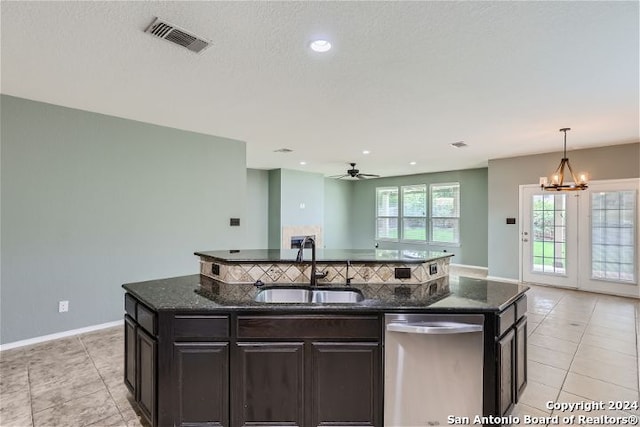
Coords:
397,217
432,217
429,240
402,216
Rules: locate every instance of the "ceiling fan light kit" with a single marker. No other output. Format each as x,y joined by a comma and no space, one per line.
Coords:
556,181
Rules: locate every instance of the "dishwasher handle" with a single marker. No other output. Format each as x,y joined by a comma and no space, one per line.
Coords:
434,328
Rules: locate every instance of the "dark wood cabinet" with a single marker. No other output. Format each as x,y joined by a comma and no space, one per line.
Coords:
511,357
506,391
269,386
130,354
345,384
202,383
521,356
140,357
310,370
146,379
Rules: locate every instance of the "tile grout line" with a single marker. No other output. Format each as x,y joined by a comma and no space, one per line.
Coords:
574,356
103,382
33,418
65,401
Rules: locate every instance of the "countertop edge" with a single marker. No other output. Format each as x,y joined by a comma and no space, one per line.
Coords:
205,304
322,261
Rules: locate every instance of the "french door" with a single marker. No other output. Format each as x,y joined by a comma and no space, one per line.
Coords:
549,237
582,239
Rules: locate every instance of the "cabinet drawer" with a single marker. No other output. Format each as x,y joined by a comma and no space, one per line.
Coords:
506,319
196,327
146,319
300,327
521,307
130,306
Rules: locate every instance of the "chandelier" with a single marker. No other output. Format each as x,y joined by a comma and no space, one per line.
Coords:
556,180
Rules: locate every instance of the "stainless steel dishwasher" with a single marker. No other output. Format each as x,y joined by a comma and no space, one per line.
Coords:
433,368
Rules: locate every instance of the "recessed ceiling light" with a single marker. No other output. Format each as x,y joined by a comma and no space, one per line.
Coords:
412,163
366,152
303,163
320,46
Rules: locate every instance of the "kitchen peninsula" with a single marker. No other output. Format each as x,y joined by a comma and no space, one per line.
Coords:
200,350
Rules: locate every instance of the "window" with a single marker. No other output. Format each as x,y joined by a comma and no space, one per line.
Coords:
403,213
414,212
613,255
445,213
548,233
387,213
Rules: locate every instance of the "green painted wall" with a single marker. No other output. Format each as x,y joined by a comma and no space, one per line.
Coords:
89,202
274,197
473,208
338,196
257,219
302,198
295,198
506,175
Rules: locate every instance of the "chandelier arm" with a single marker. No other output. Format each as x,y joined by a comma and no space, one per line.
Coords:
573,176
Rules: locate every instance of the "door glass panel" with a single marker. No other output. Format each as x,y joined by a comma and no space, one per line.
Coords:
548,233
613,227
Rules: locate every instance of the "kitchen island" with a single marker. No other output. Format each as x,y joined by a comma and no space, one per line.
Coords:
200,352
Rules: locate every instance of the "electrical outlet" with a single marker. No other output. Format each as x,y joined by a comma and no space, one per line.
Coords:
63,306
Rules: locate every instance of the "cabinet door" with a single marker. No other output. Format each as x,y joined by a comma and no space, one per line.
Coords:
130,354
268,384
345,384
146,380
521,357
506,354
202,382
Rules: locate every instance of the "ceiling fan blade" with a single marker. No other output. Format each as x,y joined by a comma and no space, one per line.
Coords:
369,175
361,176
338,176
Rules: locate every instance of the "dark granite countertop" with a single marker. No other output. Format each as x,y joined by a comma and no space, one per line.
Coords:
185,293
324,255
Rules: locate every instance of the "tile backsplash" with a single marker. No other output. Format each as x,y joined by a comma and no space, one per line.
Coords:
359,273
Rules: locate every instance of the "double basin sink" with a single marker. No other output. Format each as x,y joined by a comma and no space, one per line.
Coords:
307,294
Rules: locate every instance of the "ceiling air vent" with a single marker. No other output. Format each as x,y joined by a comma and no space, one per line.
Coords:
283,150
459,144
177,35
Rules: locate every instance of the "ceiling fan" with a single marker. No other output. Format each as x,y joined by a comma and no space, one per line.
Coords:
355,173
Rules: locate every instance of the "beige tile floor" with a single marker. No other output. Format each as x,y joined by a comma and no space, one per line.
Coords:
582,347
76,381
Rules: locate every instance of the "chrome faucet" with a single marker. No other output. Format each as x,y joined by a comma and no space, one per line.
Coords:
299,258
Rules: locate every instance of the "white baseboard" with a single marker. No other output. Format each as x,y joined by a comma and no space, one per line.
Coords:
59,335
503,279
470,267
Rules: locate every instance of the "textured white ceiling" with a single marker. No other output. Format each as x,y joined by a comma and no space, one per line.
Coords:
404,80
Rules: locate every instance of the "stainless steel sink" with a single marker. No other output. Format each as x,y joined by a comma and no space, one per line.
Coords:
284,295
299,295
333,296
